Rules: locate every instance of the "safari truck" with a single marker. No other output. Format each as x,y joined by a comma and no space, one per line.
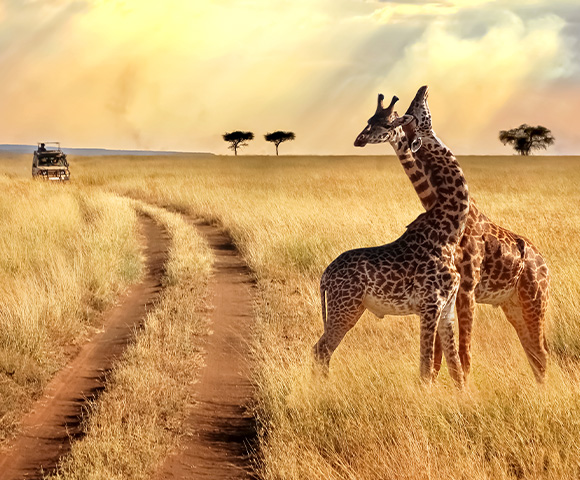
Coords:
49,162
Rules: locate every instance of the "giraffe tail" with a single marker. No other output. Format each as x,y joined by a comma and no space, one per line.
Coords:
521,246
324,305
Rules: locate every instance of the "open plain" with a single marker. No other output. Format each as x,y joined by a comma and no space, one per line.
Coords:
69,251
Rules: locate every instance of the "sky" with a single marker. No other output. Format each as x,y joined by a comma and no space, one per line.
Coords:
178,74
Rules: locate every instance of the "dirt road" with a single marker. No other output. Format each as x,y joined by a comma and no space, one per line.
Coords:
47,430
221,427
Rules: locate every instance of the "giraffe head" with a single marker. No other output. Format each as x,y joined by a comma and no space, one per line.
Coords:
420,111
416,122
378,128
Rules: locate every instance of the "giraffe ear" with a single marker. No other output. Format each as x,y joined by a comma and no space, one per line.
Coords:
416,145
402,121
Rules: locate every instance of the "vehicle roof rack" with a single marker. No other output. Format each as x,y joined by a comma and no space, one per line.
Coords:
54,145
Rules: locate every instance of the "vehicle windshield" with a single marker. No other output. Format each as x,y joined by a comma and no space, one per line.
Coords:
55,160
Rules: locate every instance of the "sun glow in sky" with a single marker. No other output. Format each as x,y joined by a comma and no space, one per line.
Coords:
178,74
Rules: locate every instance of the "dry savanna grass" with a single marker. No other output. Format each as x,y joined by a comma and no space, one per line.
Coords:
372,419
290,216
139,418
66,255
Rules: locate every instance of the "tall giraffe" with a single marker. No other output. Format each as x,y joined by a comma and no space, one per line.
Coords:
497,267
414,274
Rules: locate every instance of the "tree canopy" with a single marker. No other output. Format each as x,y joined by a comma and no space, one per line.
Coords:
237,139
526,138
278,137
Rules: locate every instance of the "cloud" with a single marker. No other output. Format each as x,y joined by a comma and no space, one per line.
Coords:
472,78
178,74
408,11
405,11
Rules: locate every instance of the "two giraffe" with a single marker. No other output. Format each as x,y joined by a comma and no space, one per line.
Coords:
495,266
416,273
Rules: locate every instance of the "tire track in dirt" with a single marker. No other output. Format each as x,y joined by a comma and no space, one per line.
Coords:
55,419
221,430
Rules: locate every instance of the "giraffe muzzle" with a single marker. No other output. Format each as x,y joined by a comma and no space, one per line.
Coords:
361,140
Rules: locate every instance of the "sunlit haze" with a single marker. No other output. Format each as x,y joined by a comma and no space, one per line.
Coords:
177,74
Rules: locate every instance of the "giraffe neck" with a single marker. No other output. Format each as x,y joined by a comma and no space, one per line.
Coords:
450,210
414,170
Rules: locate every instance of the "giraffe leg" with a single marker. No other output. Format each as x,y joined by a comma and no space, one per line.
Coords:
526,311
429,319
437,317
465,313
438,356
470,272
527,314
528,323
340,318
445,331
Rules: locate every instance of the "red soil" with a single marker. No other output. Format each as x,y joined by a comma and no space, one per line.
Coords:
220,425
55,419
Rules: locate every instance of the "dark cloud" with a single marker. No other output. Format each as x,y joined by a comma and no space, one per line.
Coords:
473,22
570,13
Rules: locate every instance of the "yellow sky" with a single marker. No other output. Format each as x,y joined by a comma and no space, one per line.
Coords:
178,74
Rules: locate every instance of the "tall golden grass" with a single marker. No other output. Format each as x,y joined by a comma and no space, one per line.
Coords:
140,417
68,251
372,418
66,254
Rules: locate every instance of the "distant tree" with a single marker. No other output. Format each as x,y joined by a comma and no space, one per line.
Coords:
526,138
238,139
278,137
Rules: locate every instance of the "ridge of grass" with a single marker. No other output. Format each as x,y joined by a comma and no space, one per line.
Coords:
67,253
139,417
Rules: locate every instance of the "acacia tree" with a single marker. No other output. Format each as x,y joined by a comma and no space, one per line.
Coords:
238,139
278,137
526,138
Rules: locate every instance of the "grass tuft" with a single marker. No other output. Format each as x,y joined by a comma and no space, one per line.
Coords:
140,417
59,270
